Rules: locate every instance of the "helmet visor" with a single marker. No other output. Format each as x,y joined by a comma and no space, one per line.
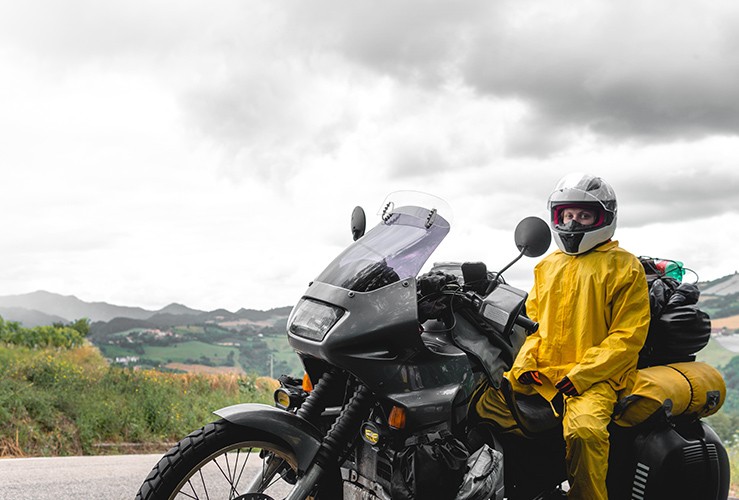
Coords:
578,217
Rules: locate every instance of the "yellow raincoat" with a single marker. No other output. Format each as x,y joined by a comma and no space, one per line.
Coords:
594,315
593,311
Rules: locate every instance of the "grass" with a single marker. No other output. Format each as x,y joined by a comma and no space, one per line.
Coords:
67,402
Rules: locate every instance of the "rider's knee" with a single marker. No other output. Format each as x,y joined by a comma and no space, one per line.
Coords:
585,428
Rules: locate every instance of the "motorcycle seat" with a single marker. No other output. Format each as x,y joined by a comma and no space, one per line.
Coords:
534,414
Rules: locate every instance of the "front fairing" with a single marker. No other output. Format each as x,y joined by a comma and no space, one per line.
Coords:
371,286
377,335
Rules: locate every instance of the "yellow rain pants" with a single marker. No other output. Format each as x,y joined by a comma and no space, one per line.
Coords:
593,312
584,424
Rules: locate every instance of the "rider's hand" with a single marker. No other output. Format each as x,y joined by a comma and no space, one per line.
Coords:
530,377
565,387
434,282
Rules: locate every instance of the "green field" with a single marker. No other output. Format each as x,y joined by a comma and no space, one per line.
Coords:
176,353
283,352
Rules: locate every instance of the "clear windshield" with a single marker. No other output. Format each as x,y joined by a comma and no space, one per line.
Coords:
394,250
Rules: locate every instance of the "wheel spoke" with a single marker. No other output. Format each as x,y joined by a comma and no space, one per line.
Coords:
233,493
193,491
215,461
202,480
221,466
228,469
241,472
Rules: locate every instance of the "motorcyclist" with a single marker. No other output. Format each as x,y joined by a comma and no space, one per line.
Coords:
591,300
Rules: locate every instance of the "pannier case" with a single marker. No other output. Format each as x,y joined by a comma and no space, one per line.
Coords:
685,461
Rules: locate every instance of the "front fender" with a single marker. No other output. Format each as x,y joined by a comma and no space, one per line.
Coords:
300,435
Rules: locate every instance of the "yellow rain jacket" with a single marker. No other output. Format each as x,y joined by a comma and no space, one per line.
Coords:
594,312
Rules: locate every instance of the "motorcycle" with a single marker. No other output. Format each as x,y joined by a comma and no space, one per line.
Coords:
394,363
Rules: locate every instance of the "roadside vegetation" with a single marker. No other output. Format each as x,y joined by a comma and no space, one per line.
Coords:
61,397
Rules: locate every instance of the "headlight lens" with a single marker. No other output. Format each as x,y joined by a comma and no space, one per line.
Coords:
312,320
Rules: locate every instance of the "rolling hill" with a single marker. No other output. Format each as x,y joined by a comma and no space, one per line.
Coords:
249,340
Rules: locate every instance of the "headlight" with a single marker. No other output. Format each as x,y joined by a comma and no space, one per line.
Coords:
313,320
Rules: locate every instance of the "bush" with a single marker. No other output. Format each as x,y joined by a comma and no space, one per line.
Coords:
44,336
63,402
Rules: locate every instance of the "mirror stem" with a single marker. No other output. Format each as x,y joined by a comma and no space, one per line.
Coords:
523,250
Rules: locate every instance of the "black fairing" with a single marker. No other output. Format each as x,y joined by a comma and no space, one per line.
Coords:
377,337
388,354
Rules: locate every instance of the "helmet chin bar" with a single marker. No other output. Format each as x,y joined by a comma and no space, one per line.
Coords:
574,226
571,242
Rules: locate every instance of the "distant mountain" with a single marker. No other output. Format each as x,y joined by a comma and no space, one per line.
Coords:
178,309
30,318
115,325
728,285
255,315
70,307
45,308
32,308
720,298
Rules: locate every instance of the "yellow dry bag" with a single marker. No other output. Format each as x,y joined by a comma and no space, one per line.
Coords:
693,389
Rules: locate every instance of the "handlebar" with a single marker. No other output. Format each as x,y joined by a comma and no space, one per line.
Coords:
526,323
474,300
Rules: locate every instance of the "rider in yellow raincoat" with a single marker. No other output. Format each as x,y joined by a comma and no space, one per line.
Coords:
591,300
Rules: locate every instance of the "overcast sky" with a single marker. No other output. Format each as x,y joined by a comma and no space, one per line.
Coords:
211,153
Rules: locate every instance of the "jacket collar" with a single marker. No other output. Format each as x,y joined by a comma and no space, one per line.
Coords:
603,247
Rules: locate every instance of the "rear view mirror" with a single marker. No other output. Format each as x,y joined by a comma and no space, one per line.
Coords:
533,236
359,223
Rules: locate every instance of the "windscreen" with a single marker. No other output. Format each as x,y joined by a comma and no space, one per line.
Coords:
394,250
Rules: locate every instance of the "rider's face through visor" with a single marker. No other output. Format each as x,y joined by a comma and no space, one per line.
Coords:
578,216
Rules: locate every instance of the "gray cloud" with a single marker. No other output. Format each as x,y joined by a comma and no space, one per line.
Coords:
417,40
615,72
628,71
680,194
257,81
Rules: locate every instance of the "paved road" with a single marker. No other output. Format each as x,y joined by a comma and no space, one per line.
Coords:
114,477
110,477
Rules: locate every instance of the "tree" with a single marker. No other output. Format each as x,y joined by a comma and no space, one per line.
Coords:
82,325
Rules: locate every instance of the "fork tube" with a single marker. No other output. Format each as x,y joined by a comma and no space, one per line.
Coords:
310,410
262,479
338,440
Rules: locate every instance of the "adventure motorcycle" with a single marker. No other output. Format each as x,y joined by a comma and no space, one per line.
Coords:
392,365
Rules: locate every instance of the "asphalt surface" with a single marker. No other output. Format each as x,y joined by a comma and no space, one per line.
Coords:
110,477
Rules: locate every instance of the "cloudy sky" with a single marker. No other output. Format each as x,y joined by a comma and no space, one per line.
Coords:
210,153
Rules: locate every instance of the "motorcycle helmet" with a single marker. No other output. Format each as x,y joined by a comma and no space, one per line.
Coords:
582,194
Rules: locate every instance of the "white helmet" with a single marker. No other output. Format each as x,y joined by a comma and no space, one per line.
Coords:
582,192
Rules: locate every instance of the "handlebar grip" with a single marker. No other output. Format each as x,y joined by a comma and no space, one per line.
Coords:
523,321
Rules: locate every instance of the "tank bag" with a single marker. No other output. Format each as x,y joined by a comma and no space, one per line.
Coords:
692,389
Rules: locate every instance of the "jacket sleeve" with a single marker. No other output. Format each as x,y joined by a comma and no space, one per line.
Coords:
526,358
618,353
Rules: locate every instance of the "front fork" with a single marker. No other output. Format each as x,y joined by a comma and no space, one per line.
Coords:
335,444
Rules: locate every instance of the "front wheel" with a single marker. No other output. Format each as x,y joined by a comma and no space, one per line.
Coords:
226,461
